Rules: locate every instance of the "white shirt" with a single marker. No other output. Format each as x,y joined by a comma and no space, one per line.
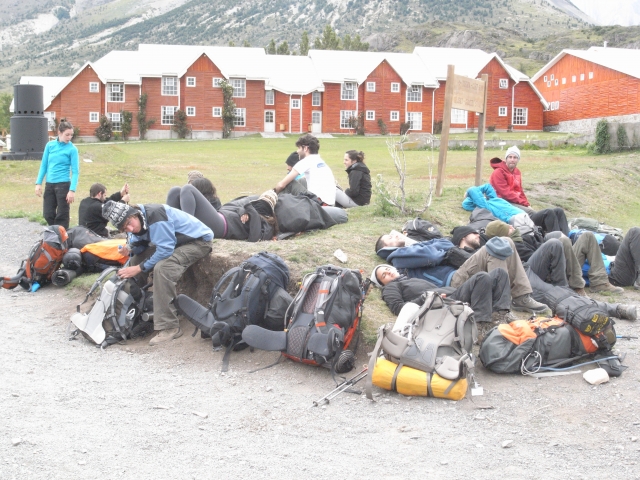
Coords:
319,177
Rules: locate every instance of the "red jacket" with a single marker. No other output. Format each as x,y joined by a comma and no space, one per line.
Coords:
507,184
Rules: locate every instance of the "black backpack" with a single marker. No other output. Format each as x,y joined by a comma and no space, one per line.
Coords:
253,293
323,321
421,230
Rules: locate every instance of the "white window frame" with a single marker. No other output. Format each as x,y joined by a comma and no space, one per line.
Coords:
395,87
167,114
590,75
240,117
116,92
318,115
116,121
348,91
415,125
191,111
564,80
269,97
239,87
549,83
394,116
191,81
555,82
582,77
51,124
271,113
573,79
94,87
316,99
554,105
216,112
371,86
370,115
552,77
414,93
458,116
544,79
215,82
170,86
502,111
503,83
345,115
295,104
94,117
520,116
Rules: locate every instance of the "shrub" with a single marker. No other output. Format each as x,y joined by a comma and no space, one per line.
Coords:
404,128
623,139
603,139
228,108
104,132
143,123
76,133
180,125
437,127
127,123
491,128
382,126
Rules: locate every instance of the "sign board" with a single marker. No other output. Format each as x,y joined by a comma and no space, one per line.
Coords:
468,94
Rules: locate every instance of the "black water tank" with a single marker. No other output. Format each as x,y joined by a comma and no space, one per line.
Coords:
29,132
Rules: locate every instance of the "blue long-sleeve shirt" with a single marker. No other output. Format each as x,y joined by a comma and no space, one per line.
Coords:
58,161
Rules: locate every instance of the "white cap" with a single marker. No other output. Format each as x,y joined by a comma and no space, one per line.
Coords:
513,151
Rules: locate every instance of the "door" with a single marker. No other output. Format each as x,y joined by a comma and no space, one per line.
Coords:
316,122
269,121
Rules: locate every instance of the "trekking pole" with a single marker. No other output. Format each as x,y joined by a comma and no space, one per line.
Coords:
626,337
343,387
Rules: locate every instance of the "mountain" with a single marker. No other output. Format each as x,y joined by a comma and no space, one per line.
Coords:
613,12
55,38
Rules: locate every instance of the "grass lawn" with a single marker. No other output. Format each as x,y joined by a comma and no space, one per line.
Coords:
602,187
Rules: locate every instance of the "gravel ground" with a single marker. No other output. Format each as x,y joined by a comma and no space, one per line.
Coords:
70,410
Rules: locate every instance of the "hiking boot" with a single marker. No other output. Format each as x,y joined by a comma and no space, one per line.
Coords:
580,291
605,287
524,303
636,285
483,330
503,316
627,312
165,336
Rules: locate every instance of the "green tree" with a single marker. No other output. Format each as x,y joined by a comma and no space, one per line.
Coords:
5,114
358,45
232,43
127,123
143,123
104,132
271,49
180,125
228,108
246,44
283,48
623,138
346,42
304,44
328,41
603,138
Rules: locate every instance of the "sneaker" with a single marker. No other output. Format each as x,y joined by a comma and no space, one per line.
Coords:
580,291
605,287
627,312
524,303
165,336
483,330
503,316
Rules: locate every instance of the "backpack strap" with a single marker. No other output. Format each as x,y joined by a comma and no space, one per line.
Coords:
216,289
372,361
298,300
96,284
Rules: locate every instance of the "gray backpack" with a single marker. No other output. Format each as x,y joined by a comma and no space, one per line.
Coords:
435,337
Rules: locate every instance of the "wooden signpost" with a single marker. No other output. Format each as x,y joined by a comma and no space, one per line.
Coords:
468,94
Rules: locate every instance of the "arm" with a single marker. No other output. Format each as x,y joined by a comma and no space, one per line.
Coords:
43,170
392,296
355,177
75,173
163,236
286,180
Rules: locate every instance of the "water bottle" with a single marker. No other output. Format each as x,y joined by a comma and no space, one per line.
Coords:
35,287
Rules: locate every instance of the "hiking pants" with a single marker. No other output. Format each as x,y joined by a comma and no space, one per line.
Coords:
626,267
191,201
344,200
548,262
166,274
574,268
587,248
481,261
485,293
55,208
551,220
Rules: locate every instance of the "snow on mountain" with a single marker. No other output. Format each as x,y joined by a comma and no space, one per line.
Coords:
612,12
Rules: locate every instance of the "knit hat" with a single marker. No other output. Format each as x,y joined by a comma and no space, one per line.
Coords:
374,278
193,174
117,213
610,245
459,233
497,228
292,159
265,205
499,248
513,151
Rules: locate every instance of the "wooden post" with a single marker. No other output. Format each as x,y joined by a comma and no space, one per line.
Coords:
446,124
482,120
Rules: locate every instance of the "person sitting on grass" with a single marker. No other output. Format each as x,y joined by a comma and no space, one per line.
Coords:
359,191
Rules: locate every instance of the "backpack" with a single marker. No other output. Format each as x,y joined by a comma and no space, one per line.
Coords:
435,339
323,321
421,230
45,257
124,310
254,293
595,226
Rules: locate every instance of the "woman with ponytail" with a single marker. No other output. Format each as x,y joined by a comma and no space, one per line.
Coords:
359,191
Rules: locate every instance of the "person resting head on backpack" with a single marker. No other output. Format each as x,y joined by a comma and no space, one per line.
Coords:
359,191
90,209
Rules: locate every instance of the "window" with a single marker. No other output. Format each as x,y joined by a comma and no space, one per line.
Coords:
94,117
116,121
549,83
348,91
239,117
371,86
170,86
552,77
414,119
590,75
502,111
269,97
582,77
217,111
554,105
239,87
191,81
414,93
116,92
216,82
520,116
394,115
316,117
295,103
51,117
573,78
504,83
345,118
167,115
395,87
315,99
94,87
564,80
191,111
545,79
556,82
269,116
458,116
371,114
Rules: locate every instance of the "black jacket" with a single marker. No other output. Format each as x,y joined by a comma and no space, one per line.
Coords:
404,289
359,183
90,214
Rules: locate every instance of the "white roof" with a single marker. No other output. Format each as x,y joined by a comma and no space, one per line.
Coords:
51,86
292,74
622,60
120,66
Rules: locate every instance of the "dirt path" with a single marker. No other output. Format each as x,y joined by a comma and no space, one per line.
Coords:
134,411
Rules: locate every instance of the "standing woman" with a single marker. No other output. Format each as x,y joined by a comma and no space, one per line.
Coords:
359,191
60,166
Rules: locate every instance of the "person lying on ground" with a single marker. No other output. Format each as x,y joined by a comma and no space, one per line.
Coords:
359,191
506,179
90,209
320,180
175,197
166,241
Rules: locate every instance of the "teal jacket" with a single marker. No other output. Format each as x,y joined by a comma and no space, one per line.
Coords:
59,160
